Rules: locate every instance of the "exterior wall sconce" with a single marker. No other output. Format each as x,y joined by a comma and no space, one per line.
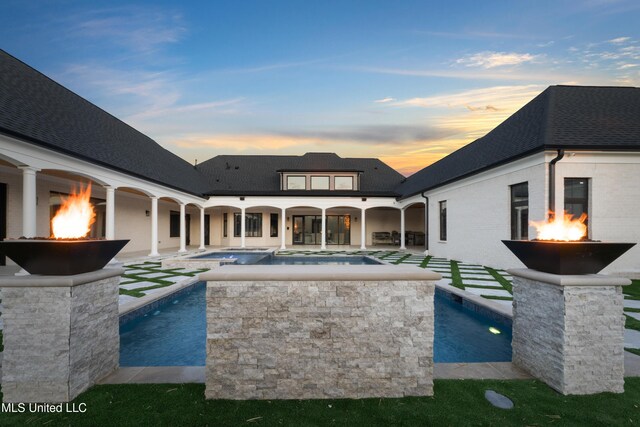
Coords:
355,219
364,199
241,198
146,213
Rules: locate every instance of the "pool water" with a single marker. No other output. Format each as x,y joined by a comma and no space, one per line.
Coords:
261,258
174,334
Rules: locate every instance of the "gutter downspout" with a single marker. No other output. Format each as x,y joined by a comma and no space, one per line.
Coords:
426,224
552,184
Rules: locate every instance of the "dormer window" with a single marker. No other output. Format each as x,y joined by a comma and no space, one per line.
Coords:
319,182
343,183
295,182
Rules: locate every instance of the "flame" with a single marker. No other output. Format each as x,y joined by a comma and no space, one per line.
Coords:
562,227
75,216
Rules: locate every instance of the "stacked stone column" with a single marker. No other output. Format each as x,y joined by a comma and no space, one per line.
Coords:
568,331
61,334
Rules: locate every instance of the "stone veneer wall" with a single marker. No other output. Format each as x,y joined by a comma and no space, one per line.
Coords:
571,337
319,339
58,340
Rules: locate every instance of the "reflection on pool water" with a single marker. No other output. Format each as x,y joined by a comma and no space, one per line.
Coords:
262,258
174,333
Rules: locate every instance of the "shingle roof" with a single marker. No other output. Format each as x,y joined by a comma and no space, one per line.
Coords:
36,109
569,117
257,175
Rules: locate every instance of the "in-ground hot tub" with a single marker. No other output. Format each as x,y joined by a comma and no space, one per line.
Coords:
324,331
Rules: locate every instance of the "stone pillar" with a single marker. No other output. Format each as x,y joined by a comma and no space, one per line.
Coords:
61,334
29,201
154,227
363,229
283,222
110,220
323,232
568,331
243,226
402,246
183,228
202,229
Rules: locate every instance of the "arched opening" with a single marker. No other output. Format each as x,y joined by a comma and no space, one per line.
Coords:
305,224
383,227
343,226
414,228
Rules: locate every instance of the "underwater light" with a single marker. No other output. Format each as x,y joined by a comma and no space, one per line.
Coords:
494,331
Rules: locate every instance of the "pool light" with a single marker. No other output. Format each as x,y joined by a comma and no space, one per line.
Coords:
494,331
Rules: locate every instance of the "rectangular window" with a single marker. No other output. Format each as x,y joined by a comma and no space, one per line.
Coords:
520,211
576,197
443,220
174,224
225,224
252,224
319,182
296,183
343,183
274,225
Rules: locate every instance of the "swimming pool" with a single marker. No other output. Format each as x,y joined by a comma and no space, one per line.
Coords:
262,258
174,333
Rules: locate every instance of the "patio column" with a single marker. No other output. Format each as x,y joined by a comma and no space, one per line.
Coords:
110,220
283,222
363,229
323,234
242,228
402,247
29,201
202,229
154,226
183,228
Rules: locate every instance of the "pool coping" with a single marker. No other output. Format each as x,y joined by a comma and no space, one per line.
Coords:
128,307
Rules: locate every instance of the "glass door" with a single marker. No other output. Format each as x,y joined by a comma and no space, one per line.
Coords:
298,230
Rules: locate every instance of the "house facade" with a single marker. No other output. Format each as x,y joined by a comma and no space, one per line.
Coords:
460,207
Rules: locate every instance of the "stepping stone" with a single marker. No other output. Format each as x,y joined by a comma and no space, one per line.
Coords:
489,292
478,274
176,279
153,275
486,283
498,400
138,285
632,303
631,338
632,314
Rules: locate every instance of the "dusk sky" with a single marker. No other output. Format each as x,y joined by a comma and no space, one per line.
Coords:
405,81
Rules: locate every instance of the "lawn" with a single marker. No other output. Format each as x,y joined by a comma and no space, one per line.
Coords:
456,402
632,290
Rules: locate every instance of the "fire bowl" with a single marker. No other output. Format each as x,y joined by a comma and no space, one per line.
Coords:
61,257
566,257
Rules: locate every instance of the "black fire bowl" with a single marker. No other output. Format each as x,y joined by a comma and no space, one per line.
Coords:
61,257
566,257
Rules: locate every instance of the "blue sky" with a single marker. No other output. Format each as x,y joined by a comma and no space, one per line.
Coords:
405,81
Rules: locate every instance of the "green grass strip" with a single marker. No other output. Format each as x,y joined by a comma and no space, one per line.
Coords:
632,310
634,351
456,278
425,261
631,323
633,290
504,282
402,258
454,403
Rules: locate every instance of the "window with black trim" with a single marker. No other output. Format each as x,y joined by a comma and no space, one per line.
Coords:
520,211
174,224
252,224
225,224
274,225
443,220
576,198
